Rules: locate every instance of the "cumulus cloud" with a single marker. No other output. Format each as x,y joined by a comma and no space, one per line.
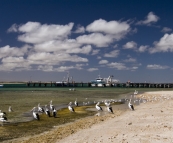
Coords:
111,27
134,68
92,69
151,18
112,54
12,51
13,28
118,66
130,45
143,48
80,29
95,52
130,60
97,39
164,45
155,66
53,59
166,29
103,62
14,64
34,32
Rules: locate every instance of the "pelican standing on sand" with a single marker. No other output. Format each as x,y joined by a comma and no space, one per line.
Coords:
70,107
76,103
99,108
3,119
40,109
47,111
54,113
109,108
131,105
10,109
35,114
2,114
51,106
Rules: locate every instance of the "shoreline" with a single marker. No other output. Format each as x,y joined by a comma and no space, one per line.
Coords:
150,122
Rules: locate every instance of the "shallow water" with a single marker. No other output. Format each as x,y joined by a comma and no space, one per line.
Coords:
21,123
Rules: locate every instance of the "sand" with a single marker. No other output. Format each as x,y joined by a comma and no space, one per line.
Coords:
151,122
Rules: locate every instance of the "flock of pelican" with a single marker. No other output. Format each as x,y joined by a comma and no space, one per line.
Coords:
52,110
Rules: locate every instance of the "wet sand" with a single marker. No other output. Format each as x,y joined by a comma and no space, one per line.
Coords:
151,122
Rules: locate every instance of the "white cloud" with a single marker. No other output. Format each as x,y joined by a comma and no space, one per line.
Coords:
115,65
112,54
166,29
13,28
130,45
143,48
97,39
13,51
103,62
34,32
164,45
95,52
53,59
111,27
14,64
134,68
151,18
80,29
92,69
84,50
46,68
155,66
99,57
130,60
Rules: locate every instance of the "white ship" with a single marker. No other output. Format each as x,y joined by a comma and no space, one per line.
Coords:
102,82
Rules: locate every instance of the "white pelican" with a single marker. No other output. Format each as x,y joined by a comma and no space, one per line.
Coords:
3,119
40,109
109,108
136,92
131,105
10,109
107,103
76,103
2,114
70,107
35,114
47,111
51,106
54,113
99,108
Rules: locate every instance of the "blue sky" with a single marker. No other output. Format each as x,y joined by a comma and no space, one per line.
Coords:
42,40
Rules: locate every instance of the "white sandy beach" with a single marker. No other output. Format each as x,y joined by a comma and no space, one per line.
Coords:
151,122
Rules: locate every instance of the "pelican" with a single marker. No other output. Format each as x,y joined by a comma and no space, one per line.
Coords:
35,114
107,103
51,106
47,111
70,107
2,114
40,109
54,113
76,103
136,92
131,105
109,108
3,119
10,109
99,108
